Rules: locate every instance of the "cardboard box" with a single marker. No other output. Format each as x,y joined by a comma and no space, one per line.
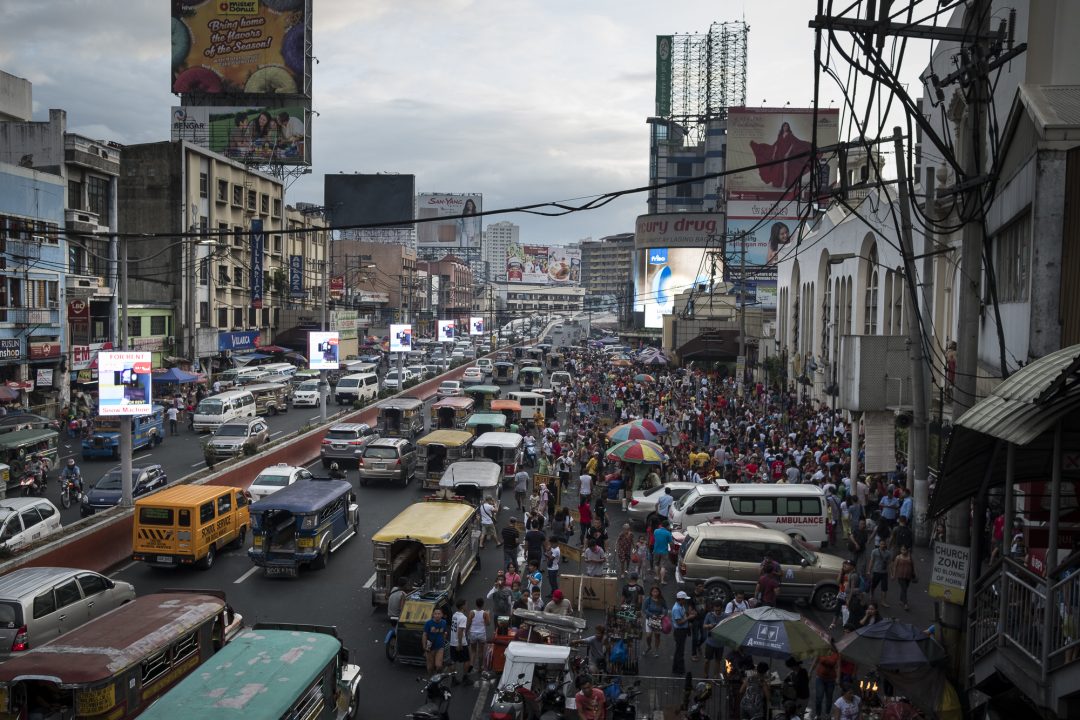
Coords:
591,593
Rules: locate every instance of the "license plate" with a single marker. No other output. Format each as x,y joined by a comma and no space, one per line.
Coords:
337,446
280,572
164,559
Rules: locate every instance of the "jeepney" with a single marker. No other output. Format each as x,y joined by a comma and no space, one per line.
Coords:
401,417
531,377
146,431
18,447
503,372
483,395
436,450
510,408
451,412
480,423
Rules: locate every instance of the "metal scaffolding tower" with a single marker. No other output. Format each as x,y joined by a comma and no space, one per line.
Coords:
708,74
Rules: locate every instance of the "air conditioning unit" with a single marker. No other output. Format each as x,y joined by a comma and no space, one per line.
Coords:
54,304
39,239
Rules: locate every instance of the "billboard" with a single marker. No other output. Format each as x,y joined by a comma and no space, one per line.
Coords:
476,326
543,264
767,232
663,75
453,232
660,274
358,199
400,338
779,140
446,331
241,47
249,133
124,383
296,276
258,244
323,350
678,230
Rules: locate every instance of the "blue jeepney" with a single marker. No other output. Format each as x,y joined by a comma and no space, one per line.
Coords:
146,431
301,524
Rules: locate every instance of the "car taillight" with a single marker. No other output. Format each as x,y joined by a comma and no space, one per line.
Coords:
356,442
397,462
325,441
508,469
633,502
359,461
21,641
682,568
496,715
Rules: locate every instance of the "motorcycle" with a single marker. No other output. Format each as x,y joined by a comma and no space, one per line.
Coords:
69,489
436,692
31,484
623,708
520,702
696,711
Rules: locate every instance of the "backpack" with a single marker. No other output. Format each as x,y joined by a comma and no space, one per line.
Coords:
752,705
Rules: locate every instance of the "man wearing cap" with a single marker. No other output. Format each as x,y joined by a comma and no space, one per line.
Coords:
558,605
680,621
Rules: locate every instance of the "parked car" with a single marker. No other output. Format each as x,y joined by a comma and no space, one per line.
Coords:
643,502
473,376
230,439
108,490
37,603
307,394
393,382
275,477
449,388
25,521
727,558
388,459
346,442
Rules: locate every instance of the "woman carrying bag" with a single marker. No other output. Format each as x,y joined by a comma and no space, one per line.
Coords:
903,571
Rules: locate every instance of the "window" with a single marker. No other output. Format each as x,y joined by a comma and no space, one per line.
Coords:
266,317
684,169
252,317
156,516
277,243
798,506
237,195
707,504
154,667
134,326
158,325
251,199
224,504
786,555
277,207
44,604
223,191
46,511
97,198
264,204
238,236
30,518
1012,261
206,512
713,550
222,317
75,198
92,584
870,303
747,552
238,317
184,518
223,275
204,185
67,594
753,506
204,313
684,190
204,271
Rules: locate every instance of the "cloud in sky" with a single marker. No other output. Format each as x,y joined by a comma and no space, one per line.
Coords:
522,100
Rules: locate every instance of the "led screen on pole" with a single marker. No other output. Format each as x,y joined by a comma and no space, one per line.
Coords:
124,383
446,331
400,338
476,326
323,350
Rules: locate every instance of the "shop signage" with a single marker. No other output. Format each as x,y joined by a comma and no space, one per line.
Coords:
258,243
44,378
83,356
45,350
296,276
238,340
78,309
10,349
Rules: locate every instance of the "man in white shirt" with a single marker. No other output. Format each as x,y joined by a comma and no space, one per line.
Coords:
736,604
487,521
585,487
459,642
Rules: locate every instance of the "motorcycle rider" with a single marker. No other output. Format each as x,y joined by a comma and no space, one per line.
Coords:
73,474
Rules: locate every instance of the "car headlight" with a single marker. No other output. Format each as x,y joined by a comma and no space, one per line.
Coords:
309,523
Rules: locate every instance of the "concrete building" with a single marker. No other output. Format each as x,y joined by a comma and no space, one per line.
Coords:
454,297
216,275
523,300
672,156
497,239
607,273
378,280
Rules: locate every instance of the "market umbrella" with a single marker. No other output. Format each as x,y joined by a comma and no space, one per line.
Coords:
651,425
772,632
172,375
891,645
629,431
644,378
621,363
644,452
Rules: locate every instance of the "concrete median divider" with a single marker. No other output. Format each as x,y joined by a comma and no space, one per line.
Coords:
105,541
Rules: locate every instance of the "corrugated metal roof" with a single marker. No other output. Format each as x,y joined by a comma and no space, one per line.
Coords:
1021,408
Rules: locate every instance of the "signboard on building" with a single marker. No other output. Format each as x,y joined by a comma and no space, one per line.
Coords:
44,349
296,276
447,331
241,47
345,322
476,326
323,350
949,575
661,273
461,226
776,142
83,357
258,245
663,75
44,378
124,383
671,230
238,341
543,264
250,133
337,287
10,349
400,338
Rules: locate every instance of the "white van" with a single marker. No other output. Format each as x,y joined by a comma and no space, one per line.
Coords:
558,379
359,386
798,510
532,404
215,410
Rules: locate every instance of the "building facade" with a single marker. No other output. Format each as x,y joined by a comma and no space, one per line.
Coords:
606,273
497,239
673,157
522,301
453,300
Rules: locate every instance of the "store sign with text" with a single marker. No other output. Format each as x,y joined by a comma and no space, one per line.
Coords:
10,349
47,350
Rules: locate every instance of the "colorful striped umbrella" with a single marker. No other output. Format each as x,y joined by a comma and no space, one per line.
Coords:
774,633
644,378
651,425
629,431
642,452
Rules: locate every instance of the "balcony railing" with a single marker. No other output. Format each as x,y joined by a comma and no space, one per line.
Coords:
29,316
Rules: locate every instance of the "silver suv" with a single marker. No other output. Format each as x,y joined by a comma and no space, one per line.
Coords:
346,442
230,439
388,459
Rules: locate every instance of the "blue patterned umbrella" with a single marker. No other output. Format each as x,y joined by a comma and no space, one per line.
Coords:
774,633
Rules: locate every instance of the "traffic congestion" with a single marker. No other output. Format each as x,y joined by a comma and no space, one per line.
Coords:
570,528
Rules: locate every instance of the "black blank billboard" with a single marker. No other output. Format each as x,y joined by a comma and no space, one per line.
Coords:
357,199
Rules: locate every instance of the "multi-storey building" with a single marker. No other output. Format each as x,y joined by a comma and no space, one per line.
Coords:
207,259
672,157
378,280
606,273
498,237
454,297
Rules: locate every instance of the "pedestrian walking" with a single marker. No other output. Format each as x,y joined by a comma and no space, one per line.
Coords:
714,649
487,521
173,415
879,571
521,488
655,609
435,634
459,641
554,562
826,671
680,630
511,540
624,549
903,571
699,604
662,539
479,622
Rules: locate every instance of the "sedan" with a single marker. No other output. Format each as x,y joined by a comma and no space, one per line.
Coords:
473,376
307,394
643,502
449,388
275,477
108,490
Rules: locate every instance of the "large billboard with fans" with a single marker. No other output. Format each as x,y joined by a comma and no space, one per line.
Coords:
241,48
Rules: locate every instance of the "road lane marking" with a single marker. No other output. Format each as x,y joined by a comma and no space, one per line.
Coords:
276,434
245,576
370,582
201,462
122,569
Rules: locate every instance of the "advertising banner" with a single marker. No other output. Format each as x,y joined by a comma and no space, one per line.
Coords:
296,276
44,378
251,133
454,232
236,341
663,75
11,349
662,273
543,264
476,326
400,338
44,350
323,350
446,331
337,286
124,380
258,243
779,140
669,230
767,231
240,47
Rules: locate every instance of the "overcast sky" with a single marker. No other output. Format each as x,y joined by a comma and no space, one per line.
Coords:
522,100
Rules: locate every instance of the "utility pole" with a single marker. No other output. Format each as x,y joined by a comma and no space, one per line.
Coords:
919,445
126,492
740,364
